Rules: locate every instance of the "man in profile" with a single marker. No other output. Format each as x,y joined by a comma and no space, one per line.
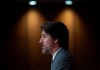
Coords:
54,40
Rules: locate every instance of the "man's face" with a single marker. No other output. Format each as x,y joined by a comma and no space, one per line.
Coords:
47,42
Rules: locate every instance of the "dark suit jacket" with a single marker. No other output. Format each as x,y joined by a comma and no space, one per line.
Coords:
62,60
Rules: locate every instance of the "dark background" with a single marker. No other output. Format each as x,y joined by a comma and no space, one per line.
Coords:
10,12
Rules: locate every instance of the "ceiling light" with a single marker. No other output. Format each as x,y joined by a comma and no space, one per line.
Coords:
32,2
69,2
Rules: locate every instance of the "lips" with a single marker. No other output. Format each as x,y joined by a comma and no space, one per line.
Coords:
42,46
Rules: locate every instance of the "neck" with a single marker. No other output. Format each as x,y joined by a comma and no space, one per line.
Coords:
54,49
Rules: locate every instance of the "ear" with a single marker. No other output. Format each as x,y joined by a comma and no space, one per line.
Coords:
56,40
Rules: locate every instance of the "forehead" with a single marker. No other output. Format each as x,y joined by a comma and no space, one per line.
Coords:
44,33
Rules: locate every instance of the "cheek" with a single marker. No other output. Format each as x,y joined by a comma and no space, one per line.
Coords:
47,42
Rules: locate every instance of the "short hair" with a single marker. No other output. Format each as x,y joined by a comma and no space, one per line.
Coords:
59,31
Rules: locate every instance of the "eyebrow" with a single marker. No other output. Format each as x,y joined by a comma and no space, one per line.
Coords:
44,34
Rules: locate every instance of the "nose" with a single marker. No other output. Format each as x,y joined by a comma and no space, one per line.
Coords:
40,41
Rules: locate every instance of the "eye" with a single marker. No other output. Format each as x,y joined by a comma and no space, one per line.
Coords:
44,36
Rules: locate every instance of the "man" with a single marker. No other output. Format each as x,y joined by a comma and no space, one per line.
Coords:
54,40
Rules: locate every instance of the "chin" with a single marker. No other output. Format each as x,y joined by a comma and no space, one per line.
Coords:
45,52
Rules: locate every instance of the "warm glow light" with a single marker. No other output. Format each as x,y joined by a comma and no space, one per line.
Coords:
67,16
34,21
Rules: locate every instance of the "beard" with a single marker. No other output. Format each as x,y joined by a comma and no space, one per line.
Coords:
45,50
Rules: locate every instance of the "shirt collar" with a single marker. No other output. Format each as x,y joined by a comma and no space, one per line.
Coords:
55,54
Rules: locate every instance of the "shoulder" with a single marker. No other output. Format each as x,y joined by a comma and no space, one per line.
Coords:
63,56
63,53
62,60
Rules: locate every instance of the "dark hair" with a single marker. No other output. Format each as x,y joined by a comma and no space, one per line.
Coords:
59,31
